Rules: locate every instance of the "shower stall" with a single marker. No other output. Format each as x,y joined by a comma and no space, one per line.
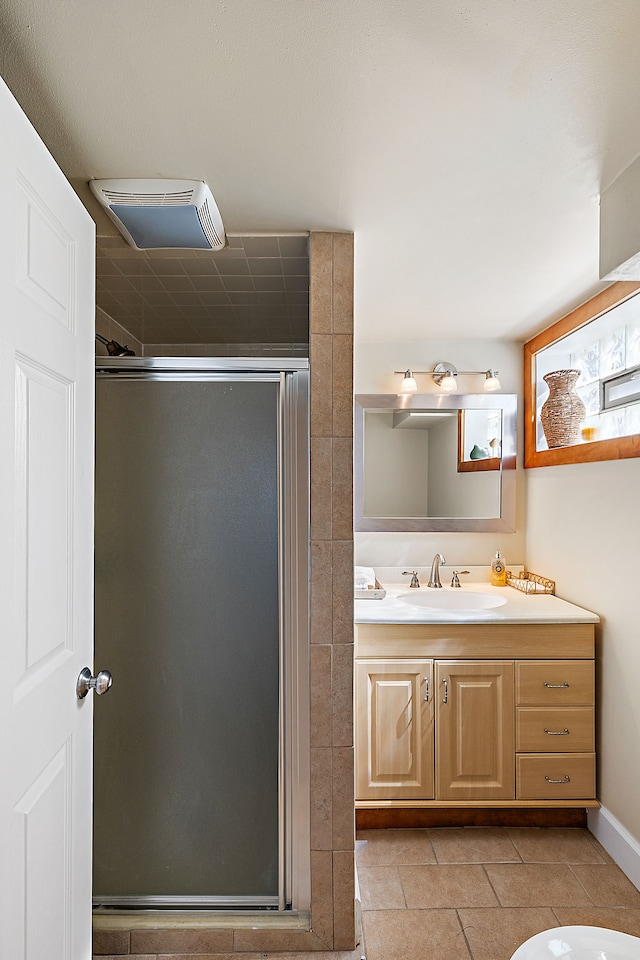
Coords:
201,747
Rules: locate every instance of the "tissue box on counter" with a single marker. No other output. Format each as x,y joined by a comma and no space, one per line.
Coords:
366,585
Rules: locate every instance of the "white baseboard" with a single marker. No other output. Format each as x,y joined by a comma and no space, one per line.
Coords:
617,841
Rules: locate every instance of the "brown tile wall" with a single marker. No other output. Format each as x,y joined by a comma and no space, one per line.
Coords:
332,802
333,922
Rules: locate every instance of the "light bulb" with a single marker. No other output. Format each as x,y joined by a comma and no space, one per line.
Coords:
448,383
491,383
408,384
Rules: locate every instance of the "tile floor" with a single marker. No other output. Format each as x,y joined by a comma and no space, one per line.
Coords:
477,893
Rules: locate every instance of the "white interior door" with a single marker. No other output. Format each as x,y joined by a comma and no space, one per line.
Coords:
46,556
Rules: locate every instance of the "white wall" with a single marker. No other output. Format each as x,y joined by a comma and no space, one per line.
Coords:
394,493
374,366
449,491
583,530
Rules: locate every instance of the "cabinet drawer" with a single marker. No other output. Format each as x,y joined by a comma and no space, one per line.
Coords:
555,776
554,682
555,729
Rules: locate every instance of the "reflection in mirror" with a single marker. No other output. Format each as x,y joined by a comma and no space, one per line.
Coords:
479,440
435,463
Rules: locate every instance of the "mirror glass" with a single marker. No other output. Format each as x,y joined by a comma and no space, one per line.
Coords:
430,463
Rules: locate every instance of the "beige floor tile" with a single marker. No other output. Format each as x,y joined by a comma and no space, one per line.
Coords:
380,888
624,919
552,845
446,885
494,934
473,845
537,885
607,885
376,847
414,935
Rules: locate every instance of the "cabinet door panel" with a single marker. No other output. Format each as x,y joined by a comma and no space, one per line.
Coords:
394,729
474,730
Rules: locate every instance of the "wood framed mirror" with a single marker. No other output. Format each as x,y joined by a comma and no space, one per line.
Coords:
599,345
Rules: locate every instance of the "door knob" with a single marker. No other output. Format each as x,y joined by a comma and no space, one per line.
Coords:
86,682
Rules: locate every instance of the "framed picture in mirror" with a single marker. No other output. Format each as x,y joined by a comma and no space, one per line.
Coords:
582,383
479,440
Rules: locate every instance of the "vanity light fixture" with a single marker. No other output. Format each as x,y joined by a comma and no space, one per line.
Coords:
444,374
408,384
491,383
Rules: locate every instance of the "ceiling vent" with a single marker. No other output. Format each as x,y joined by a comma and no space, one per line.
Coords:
162,213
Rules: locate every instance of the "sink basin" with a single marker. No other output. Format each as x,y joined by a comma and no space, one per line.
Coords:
452,599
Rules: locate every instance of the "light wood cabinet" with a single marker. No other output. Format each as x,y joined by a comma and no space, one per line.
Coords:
555,730
556,776
474,728
394,736
555,682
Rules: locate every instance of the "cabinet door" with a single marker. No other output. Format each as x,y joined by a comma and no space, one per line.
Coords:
474,730
394,729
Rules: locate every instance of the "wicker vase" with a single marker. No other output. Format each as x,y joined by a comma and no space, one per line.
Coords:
563,411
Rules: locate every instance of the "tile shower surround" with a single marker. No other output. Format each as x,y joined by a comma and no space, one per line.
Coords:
331,656
259,285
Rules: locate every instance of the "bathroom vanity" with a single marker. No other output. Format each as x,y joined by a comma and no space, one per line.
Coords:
460,703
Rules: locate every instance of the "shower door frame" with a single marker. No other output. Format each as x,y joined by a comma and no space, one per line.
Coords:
294,832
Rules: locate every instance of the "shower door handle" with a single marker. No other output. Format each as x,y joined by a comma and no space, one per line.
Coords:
86,682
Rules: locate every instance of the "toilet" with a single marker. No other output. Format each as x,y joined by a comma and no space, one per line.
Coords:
579,943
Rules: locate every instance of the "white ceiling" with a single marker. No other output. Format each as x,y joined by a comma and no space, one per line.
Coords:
465,143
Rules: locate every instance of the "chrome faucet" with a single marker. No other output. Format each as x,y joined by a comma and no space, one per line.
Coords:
414,577
434,578
455,580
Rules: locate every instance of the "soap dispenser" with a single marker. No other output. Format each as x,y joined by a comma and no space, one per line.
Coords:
498,571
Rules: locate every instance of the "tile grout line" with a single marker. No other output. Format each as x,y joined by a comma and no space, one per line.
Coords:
578,880
495,892
464,932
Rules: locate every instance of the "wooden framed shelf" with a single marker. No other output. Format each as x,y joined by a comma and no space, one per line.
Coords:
618,448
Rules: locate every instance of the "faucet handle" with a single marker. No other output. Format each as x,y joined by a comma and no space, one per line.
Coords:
414,577
454,579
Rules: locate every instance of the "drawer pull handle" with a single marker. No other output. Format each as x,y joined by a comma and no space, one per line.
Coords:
566,779
555,686
446,691
426,689
557,733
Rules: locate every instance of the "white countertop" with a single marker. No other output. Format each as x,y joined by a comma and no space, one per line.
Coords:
518,608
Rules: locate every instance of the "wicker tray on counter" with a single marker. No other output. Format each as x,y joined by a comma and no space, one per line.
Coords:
530,582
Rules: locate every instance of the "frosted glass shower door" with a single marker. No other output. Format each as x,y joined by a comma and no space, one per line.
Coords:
187,756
